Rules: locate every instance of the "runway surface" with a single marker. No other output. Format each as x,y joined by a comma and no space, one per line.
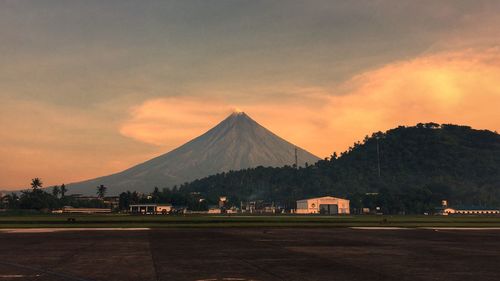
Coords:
251,254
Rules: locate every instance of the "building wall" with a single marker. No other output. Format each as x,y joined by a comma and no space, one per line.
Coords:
149,209
470,212
86,210
166,208
214,211
312,206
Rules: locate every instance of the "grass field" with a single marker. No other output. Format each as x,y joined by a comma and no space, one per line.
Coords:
161,221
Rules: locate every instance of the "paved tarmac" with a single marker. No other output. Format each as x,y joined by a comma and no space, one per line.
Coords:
242,254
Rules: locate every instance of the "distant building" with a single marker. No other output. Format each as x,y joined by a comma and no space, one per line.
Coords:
78,196
267,208
258,207
327,205
72,210
466,210
232,210
247,207
214,210
471,210
112,201
179,209
150,209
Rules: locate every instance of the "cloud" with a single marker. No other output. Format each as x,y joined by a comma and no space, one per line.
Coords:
454,87
451,87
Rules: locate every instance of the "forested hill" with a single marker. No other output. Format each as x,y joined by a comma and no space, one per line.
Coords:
419,166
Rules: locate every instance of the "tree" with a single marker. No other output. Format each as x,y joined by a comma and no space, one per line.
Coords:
63,190
124,200
101,191
36,183
37,200
56,191
156,195
12,201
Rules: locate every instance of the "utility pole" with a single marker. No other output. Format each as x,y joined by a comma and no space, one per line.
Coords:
296,159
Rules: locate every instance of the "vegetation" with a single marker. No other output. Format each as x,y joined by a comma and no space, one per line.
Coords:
36,183
63,190
118,220
191,201
405,170
38,199
101,191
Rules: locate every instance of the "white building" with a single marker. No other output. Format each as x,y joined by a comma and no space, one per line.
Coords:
150,209
327,205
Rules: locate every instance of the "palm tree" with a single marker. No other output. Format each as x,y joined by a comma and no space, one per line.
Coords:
63,190
56,191
36,183
101,191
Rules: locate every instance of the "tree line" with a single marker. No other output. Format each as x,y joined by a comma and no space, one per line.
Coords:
37,198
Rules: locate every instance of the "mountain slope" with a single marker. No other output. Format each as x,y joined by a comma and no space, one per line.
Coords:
238,142
419,167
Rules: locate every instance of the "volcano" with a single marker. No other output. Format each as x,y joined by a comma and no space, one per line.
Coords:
236,143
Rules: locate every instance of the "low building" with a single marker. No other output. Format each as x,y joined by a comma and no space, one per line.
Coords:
150,209
446,210
470,210
214,210
179,209
112,201
81,197
71,210
232,210
258,207
327,205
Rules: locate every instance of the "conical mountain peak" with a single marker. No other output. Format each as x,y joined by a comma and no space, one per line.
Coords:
237,110
239,115
237,142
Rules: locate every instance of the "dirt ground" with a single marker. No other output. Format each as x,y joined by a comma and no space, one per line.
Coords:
234,254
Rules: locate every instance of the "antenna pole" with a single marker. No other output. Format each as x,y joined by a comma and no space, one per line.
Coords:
296,159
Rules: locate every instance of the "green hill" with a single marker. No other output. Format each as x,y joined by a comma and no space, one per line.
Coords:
419,166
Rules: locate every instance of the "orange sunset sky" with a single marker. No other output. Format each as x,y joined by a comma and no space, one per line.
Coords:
89,88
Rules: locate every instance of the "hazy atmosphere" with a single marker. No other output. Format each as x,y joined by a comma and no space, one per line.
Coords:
89,88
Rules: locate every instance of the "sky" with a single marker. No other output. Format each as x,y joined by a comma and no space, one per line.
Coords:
89,88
